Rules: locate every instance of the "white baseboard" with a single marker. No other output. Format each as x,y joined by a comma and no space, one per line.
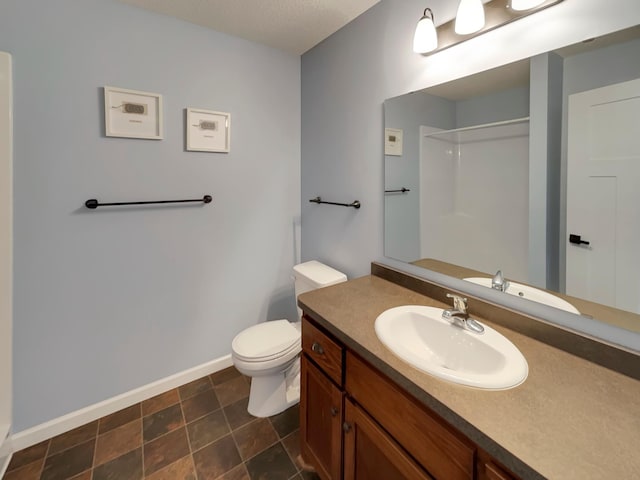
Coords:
44,431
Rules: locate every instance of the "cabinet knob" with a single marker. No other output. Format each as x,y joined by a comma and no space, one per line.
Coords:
316,347
334,411
346,427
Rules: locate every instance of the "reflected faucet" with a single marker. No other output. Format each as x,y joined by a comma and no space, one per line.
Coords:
458,315
498,282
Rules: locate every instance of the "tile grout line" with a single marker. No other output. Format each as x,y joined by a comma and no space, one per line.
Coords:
67,448
186,430
224,414
184,425
44,461
142,440
184,420
95,450
293,460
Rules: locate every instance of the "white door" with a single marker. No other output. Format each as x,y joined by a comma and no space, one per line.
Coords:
603,196
6,234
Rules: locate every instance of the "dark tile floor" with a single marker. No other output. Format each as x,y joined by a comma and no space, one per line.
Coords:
200,431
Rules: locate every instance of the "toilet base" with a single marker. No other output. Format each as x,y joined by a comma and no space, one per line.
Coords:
273,394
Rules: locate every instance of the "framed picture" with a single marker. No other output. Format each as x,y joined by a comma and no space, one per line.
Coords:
208,131
132,114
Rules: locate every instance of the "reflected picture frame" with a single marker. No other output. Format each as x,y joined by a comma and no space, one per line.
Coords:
208,131
132,114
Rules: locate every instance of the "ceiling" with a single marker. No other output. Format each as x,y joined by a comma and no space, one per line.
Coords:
294,26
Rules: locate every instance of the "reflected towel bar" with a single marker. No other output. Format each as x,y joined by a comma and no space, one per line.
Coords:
355,204
92,203
402,190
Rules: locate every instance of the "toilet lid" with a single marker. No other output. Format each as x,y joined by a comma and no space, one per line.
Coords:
266,340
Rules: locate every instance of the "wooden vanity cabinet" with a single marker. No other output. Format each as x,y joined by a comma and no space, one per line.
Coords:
443,452
370,453
321,402
356,424
320,421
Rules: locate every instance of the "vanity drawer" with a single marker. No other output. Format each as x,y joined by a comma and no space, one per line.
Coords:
323,350
443,453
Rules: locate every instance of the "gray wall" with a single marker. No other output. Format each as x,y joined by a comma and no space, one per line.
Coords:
544,169
500,106
109,300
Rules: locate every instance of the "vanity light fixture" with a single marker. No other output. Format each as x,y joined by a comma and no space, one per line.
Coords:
473,18
470,17
425,39
525,4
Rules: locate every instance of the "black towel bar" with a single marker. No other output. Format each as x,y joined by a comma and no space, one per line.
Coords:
401,190
354,204
92,203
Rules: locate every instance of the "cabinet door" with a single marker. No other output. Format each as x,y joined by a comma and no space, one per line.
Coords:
371,454
440,449
321,404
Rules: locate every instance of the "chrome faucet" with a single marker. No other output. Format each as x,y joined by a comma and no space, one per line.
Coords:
458,315
498,282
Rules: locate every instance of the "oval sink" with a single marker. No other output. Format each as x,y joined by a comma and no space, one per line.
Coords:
421,337
530,293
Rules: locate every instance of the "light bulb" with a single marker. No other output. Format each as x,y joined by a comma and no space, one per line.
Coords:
425,39
525,4
470,17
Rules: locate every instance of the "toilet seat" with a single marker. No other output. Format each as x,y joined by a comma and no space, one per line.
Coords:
266,341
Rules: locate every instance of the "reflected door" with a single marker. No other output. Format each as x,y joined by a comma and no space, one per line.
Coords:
603,196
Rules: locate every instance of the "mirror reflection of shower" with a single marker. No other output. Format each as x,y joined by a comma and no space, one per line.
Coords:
473,209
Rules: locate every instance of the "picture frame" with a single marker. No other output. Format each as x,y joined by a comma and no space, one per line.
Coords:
132,113
393,141
208,131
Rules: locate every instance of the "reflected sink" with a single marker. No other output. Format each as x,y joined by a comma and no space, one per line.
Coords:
530,293
421,337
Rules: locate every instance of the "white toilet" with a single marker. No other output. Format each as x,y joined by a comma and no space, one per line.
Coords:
269,352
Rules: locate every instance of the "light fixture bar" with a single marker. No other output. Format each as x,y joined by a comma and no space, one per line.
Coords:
496,12
525,4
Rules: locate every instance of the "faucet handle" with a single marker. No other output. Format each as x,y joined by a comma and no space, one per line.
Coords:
459,303
498,282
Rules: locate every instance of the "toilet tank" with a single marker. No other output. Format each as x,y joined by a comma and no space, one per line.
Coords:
313,274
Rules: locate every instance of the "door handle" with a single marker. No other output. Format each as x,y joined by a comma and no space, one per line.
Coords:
577,240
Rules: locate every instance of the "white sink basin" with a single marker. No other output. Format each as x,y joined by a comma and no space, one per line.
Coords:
421,337
530,293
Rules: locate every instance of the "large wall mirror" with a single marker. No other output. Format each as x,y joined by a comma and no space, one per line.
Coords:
532,169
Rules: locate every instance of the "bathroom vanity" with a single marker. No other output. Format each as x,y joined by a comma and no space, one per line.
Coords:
366,414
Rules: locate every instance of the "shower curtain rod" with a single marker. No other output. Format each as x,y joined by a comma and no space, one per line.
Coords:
478,127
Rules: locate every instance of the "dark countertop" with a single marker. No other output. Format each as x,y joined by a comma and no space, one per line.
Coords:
571,419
